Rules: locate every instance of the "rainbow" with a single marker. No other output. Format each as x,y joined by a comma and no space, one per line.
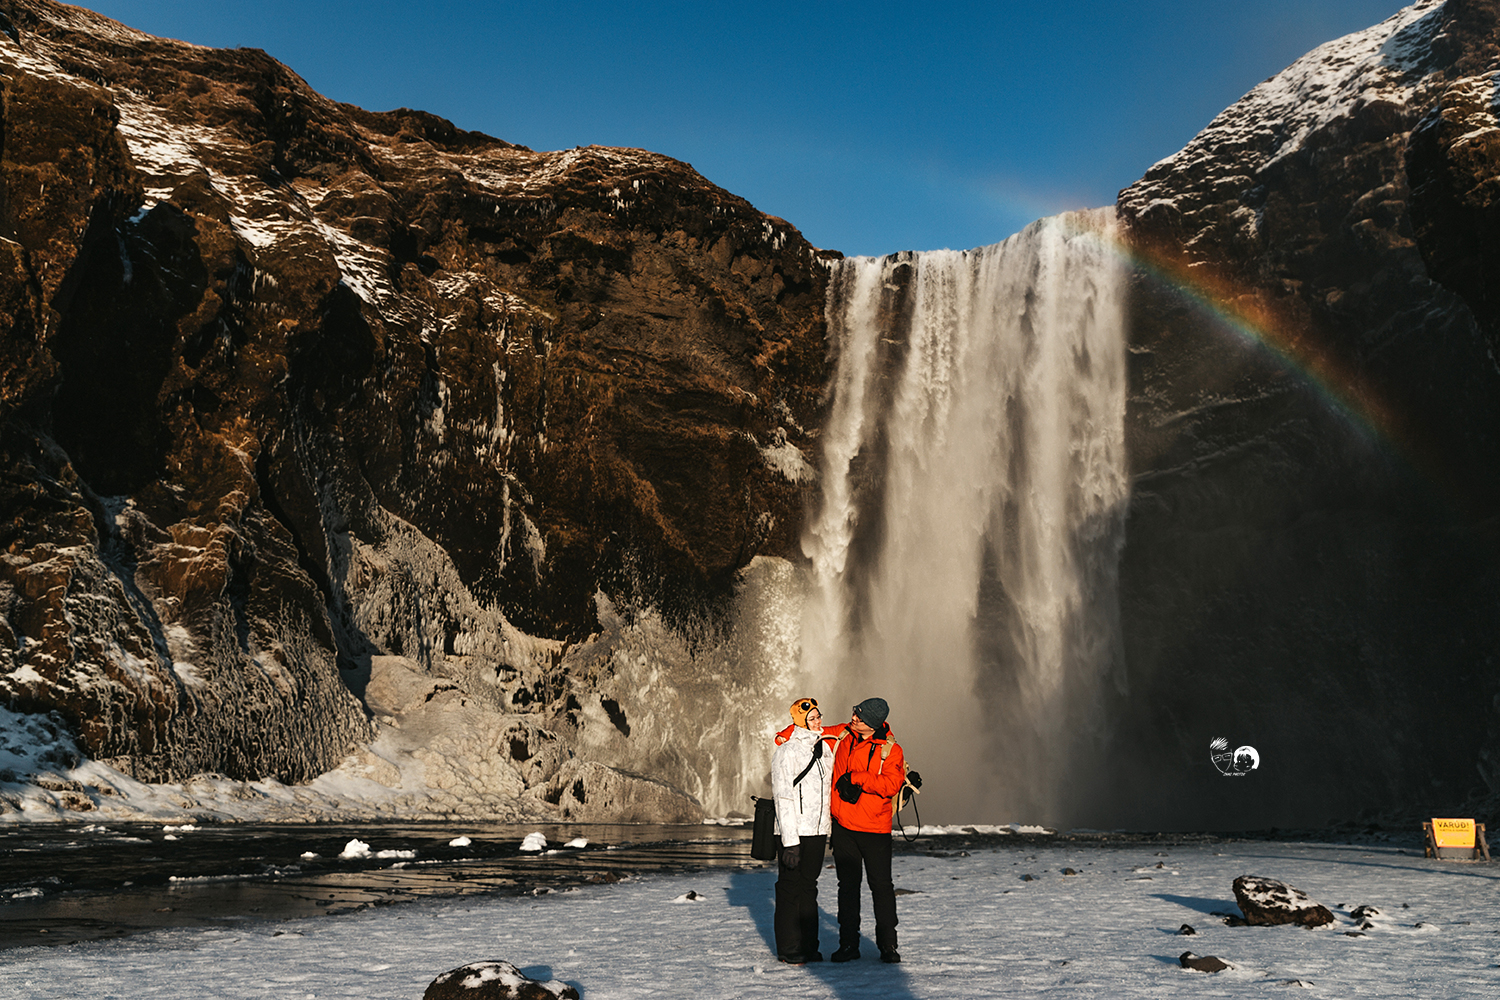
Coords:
1278,329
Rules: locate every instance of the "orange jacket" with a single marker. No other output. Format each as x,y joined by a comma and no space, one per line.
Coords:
880,778
830,733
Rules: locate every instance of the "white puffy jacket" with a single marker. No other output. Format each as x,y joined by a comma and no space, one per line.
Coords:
802,810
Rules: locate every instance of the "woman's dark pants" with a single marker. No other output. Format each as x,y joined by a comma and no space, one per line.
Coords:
797,901
853,850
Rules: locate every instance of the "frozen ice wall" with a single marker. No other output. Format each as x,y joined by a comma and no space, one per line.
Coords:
964,558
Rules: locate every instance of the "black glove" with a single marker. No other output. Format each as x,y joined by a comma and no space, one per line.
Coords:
791,857
847,789
915,778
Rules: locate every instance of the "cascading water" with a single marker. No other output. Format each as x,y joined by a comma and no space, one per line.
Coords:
964,558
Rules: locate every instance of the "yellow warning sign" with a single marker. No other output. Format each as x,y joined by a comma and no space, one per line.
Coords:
1453,832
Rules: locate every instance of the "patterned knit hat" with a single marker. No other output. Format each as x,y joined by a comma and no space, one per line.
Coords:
800,708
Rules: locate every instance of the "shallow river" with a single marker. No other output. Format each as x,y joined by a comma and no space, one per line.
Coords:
74,883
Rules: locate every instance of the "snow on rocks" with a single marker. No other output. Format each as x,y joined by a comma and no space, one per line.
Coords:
1266,902
355,849
495,981
1216,192
1278,116
460,842
359,849
534,842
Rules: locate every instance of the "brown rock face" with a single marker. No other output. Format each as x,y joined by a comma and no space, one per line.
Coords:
285,384
1311,560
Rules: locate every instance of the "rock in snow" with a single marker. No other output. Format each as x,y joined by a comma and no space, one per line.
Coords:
1203,963
495,981
1266,902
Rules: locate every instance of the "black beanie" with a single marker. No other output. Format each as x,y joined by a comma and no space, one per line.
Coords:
872,711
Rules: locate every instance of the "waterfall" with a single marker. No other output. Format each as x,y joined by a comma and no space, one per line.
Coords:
964,557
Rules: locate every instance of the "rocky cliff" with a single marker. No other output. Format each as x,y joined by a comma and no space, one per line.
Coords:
354,461
1312,562
314,418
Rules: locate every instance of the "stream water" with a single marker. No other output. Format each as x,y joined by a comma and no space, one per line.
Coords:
93,881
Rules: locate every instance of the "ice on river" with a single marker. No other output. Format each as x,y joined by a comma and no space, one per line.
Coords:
972,925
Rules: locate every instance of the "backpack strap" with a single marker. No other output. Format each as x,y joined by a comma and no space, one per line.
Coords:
816,754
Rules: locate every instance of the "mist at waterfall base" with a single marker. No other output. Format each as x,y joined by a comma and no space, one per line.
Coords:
963,560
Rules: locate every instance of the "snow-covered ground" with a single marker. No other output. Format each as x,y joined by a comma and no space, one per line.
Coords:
971,926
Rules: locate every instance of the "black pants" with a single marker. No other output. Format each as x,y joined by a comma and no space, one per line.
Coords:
797,900
853,850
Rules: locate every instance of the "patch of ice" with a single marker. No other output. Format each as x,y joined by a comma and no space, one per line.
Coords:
788,460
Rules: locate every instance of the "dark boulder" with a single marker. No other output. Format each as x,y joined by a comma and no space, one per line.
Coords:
1202,963
1266,902
495,981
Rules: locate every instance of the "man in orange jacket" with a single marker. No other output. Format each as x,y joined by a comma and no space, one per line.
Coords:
869,770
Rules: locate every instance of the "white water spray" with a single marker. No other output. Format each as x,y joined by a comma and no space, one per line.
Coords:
965,554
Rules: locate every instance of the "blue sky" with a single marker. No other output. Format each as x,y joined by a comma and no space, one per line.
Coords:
873,128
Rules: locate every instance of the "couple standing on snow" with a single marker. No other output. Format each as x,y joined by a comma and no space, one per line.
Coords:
836,784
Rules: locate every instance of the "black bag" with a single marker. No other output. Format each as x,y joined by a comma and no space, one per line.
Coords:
764,844
763,839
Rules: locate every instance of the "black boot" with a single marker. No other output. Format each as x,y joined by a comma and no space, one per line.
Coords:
890,955
847,952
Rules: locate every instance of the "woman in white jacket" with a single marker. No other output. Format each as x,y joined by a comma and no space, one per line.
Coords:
801,770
